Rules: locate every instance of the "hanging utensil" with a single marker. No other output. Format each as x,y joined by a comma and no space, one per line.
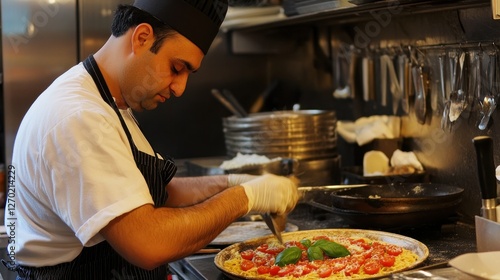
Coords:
353,53
371,76
383,81
442,77
474,81
222,99
366,78
230,97
419,81
259,103
488,103
458,94
465,85
445,120
393,83
405,98
433,91
479,76
408,90
342,86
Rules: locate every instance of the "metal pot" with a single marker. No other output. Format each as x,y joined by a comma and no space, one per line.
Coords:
303,134
393,205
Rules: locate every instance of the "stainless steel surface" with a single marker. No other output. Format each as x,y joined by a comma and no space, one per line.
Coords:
271,223
95,17
487,235
38,44
42,39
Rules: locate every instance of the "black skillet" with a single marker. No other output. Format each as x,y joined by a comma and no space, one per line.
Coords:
407,197
393,205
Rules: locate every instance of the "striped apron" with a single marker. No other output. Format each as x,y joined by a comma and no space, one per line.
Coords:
101,262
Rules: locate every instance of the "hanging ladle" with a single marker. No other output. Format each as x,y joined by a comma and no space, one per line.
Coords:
489,104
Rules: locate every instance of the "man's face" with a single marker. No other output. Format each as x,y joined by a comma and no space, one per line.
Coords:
149,78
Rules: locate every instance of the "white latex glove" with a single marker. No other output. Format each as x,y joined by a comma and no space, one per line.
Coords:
271,193
238,179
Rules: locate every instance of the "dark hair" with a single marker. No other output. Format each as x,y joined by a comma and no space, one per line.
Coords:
127,16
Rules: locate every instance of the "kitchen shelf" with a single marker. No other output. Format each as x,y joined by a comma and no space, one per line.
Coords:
356,13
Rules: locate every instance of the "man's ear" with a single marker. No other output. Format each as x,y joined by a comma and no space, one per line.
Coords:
142,37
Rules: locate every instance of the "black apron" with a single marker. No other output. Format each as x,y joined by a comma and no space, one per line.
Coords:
101,262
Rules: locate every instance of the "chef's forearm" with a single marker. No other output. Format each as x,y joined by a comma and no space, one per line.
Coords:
186,191
155,236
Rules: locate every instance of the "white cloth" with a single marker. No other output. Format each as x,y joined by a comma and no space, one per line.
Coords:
366,129
400,158
74,171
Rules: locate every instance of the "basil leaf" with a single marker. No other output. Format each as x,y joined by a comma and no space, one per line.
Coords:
314,253
306,242
288,256
332,249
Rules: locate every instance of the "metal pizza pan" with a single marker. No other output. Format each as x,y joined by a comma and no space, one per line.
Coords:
408,243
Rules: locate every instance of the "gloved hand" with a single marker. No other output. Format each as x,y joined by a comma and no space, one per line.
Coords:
271,193
238,179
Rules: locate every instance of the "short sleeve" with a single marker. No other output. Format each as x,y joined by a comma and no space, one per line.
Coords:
90,172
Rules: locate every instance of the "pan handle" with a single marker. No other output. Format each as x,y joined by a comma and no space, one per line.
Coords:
485,166
487,179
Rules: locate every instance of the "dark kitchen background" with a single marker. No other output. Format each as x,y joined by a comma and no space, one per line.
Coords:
41,39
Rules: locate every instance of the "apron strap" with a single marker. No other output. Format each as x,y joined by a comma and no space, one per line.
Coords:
91,65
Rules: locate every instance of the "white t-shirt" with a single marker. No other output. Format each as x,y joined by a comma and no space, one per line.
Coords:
74,171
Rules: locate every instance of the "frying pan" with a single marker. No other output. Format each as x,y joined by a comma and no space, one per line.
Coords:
393,205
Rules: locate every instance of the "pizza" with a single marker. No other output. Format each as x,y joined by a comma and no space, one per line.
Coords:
319,256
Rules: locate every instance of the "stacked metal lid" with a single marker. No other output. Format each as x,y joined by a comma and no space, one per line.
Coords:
302,134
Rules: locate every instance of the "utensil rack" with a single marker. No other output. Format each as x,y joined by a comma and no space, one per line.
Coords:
464,82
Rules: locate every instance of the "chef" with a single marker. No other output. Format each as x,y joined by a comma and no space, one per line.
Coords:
93,198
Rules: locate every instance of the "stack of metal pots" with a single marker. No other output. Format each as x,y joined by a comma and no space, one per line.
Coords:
308,136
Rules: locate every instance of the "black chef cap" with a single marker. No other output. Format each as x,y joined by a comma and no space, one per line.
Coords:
197,20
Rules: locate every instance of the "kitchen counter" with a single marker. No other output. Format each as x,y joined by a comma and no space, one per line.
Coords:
444,242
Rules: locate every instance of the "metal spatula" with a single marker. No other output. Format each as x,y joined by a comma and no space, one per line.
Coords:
270,222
